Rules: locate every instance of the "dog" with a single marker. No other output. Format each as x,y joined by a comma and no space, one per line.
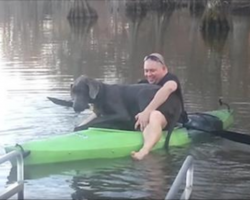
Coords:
116,105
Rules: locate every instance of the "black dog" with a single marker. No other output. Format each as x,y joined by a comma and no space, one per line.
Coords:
116,105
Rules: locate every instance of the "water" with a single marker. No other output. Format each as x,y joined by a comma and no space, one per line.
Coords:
42,53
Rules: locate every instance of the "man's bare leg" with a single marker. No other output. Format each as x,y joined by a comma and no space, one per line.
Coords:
151,134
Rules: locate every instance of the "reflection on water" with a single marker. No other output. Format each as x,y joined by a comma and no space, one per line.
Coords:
224,174
120,178
42,52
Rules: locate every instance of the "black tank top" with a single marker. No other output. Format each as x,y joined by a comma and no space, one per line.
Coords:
171,77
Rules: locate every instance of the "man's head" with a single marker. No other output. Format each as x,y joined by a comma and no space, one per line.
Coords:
154,68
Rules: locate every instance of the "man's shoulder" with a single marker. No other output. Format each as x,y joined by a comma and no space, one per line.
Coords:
168,77
171,75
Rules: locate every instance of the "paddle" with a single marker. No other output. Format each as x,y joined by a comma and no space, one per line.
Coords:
230,135
234,136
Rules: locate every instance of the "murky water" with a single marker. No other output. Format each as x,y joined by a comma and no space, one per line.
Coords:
40,55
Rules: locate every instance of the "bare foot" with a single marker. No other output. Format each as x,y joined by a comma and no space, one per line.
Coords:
139,155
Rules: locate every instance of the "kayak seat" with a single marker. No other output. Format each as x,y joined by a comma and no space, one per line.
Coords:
203,121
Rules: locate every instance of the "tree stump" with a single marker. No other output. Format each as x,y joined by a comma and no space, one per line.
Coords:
81,10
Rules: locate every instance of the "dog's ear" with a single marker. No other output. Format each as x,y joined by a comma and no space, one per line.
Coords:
94,88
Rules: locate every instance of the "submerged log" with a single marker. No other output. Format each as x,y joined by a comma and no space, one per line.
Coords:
139,8
242,8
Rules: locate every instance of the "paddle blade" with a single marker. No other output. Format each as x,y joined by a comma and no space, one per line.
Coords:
230,135
61,102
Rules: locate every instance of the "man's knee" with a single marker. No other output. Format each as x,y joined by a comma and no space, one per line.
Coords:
157,117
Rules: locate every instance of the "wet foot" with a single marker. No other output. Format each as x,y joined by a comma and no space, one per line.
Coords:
139,155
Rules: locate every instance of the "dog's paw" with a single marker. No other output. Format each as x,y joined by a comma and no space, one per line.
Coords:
80,128
77,128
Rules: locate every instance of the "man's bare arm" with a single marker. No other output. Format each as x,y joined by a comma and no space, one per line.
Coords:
161,95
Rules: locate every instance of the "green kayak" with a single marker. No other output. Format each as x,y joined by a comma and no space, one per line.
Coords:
97,143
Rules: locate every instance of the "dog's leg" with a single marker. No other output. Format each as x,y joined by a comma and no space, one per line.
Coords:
169,132
172,123
112,122
90,118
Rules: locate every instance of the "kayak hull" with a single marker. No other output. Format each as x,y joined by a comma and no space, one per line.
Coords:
98,143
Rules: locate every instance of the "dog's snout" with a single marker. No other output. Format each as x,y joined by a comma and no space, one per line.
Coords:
80,107
77,109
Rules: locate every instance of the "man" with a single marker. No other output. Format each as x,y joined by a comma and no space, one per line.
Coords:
152,121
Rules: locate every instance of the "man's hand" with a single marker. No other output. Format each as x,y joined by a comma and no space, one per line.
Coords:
142,119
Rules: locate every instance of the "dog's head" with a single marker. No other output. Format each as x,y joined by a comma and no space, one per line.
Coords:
83,91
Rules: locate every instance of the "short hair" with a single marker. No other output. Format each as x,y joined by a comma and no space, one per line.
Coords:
155,57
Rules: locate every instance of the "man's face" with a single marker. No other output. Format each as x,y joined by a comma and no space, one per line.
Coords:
154,71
